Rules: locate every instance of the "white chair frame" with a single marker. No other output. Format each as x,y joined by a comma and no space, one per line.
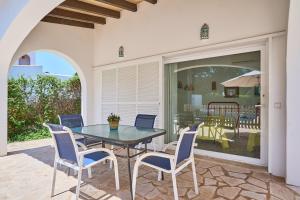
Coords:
80,156
173,159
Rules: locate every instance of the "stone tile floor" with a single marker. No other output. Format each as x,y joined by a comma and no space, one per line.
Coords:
26,173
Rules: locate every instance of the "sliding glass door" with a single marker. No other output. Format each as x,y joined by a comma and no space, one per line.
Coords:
220,98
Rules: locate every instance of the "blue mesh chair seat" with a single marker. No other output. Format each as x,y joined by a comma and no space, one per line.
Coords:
163,162
158,161
93,157
73,121
67,154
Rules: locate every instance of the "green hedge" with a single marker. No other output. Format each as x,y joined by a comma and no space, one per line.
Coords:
34,101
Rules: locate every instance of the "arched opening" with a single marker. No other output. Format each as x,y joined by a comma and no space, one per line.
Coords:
49,85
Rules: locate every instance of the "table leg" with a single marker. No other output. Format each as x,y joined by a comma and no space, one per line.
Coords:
103,146
129,171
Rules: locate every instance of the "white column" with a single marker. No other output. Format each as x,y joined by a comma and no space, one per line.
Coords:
3,111
293,95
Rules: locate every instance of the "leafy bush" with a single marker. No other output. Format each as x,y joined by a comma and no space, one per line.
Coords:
34,101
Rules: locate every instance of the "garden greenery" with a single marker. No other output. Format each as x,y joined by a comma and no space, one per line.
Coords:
34,101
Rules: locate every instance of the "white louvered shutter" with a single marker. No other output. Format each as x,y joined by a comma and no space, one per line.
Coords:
109,94
131,90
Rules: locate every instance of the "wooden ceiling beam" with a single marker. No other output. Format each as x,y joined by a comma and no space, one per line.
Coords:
152,1
121,4
69,22
86,7
58,12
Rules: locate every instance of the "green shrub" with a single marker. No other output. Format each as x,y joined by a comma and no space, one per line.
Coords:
34,101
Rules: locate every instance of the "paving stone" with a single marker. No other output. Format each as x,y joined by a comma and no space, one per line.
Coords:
154,194
219,198
205,164
252,188
262,176
208,175
253,195
220,184
182,191
163,189
207,192
200,180
219,179
237,175
187,176
143,189
274,198
216,171
231,168
257,182
209,181
229,192
191,194
241,198
183,183
143,180
200,170
281,192
232,181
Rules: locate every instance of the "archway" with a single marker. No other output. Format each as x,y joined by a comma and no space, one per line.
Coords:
21,19
69,85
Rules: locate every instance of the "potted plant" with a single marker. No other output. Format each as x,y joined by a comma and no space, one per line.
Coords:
113,121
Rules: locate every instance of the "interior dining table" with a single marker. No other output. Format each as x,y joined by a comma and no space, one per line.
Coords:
127,137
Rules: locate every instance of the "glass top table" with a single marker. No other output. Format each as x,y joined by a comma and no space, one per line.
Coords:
126,136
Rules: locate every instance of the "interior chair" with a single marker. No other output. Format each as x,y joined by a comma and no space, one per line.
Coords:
163,162
215,130
67,154
73,121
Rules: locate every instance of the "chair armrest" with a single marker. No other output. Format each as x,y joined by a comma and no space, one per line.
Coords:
81,145
82,153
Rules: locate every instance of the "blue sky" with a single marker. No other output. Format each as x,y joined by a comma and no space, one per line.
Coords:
54,63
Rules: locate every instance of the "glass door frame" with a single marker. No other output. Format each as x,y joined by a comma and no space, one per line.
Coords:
203,54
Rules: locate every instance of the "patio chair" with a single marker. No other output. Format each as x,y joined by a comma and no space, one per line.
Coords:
75,120
145,121
142,121
67,154
163,162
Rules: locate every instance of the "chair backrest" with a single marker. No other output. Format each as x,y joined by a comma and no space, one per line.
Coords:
144,121
185,146
64,142
71,121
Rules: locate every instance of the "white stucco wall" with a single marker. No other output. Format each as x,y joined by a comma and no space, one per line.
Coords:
174,25
293,95
277,106
75,44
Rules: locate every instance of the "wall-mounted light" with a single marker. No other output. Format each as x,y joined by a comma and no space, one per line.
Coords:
121,51
204,34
